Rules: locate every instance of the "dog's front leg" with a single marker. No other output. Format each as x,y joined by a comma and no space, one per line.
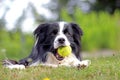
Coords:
74,62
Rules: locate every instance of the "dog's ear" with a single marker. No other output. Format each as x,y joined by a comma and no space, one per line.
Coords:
77,33
77,29
40,31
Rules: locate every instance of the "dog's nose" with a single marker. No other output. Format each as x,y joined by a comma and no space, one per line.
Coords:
61,40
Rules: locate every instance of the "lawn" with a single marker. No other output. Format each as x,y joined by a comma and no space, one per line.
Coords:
102,68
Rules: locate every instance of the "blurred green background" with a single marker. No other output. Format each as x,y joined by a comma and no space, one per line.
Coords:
99,20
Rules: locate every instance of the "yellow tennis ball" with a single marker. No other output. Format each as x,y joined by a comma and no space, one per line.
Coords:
64,51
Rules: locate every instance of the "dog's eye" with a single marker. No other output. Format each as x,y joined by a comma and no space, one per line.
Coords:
66,32
54,32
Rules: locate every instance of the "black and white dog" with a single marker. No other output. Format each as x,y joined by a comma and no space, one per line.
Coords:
49,37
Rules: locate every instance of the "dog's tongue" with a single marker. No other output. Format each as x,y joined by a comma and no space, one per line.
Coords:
59,57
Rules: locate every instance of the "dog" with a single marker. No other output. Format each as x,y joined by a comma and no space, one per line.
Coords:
49,37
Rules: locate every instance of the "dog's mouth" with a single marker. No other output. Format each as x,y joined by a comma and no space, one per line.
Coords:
58,57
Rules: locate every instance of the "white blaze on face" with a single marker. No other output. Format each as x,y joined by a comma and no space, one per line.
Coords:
61,27
61,35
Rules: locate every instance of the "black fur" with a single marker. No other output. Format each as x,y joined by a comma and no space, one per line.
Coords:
77,33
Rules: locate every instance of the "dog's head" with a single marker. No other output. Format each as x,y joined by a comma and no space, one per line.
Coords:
53,35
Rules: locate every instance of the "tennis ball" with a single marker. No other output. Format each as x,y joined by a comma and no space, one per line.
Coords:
64,51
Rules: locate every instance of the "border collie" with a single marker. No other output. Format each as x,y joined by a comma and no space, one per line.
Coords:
49,37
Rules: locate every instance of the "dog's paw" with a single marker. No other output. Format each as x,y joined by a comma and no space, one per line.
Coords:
83,64
9,62
86,62
12,64
16,66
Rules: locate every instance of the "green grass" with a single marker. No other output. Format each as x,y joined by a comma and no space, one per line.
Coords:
102,68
